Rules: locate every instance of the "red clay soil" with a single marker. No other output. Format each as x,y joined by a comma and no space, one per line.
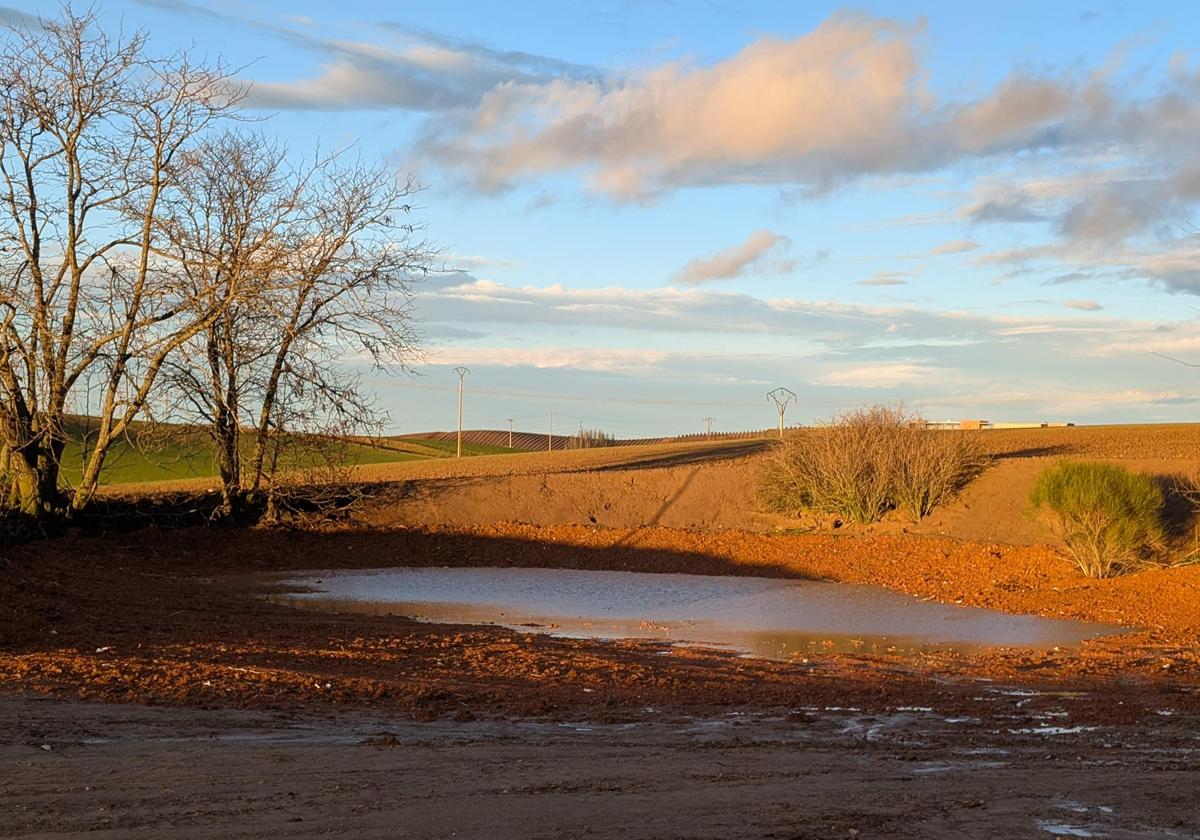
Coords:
163,616
169,618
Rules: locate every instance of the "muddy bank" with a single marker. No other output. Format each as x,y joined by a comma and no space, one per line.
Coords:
709,495
167,618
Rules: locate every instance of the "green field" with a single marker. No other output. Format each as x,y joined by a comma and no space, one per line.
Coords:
186,453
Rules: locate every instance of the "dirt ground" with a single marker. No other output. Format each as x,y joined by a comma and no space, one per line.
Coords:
224,714
714,486
116,771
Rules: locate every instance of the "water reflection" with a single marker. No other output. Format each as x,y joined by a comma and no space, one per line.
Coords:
767,617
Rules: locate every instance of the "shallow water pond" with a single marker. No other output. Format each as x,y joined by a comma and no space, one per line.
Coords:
768,617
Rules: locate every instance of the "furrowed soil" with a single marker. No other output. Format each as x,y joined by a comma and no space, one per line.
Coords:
147,686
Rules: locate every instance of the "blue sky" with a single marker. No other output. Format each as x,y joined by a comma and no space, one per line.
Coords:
657,211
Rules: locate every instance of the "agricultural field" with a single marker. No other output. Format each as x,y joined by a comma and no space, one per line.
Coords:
179,454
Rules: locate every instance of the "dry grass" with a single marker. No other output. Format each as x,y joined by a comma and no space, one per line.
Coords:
868,462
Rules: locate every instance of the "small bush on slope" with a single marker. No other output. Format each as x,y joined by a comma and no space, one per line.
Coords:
1108,517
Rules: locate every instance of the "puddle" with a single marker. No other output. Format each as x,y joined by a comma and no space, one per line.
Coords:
765,617
1052,730
1063,829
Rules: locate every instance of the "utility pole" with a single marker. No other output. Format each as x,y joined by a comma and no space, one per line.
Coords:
781,397
462,372
550,431
710,421
510,432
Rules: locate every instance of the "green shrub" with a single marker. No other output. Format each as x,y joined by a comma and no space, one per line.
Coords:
1109,518
867,462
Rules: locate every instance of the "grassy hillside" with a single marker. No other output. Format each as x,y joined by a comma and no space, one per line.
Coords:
182,453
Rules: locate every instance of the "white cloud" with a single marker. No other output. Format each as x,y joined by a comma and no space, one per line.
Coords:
1066,402
946,363
804,325
625,360
844,100
762,253
883,375
958,246
1083,305
475,262
401,67
887,278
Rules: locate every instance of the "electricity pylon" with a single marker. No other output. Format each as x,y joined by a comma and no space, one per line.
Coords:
781,397
710,421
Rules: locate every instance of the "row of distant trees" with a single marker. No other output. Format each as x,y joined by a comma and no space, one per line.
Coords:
590,439
159,250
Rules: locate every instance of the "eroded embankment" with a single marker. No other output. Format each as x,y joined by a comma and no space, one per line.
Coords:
717,487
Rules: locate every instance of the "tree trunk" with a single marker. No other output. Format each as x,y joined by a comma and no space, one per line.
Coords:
22,485
33,481
229,464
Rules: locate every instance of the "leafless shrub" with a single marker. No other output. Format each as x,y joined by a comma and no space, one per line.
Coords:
932,466
305,473
867,462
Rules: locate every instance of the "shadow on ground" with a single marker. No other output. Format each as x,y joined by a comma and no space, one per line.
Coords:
93,587
724,452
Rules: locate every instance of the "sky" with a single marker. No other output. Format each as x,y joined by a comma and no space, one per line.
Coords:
648,213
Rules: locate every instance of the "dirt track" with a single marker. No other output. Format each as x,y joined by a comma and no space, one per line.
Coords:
119,771
160,618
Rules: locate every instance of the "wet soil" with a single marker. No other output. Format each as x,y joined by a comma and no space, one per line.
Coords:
253,719
117,771
168,618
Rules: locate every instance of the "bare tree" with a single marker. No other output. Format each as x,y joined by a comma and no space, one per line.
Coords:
228,230
92,135
325,257
346,290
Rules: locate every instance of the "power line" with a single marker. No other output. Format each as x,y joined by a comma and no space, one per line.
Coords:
622,400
